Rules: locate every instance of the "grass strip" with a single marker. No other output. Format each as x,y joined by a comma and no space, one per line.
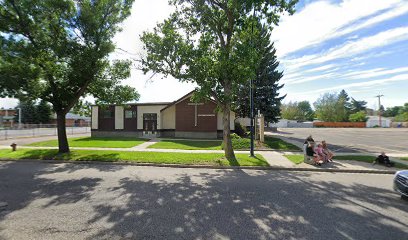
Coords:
279,144
214,159
295,158
108,142
187,145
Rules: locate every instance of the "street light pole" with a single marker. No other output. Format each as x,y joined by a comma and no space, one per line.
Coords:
251,98
379,108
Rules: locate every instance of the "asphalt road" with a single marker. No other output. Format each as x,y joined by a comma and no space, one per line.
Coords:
80,201
373,140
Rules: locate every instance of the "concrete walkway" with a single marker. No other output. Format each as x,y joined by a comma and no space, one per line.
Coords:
145,145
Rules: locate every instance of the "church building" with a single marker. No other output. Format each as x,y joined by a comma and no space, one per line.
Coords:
180,119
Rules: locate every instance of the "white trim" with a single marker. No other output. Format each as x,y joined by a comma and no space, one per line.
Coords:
206,115
119,117
95,117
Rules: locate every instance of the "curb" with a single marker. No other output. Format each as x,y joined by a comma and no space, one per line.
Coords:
273,168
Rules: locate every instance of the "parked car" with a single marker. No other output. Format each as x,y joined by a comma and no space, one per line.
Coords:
401,183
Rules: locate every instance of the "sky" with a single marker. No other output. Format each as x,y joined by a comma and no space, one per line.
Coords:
326,46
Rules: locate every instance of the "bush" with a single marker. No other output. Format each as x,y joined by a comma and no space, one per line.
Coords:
239,130
403,117
358,117
238,142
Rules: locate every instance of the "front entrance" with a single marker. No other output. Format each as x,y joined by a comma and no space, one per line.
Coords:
149,123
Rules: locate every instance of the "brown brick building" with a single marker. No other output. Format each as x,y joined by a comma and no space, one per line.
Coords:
181,118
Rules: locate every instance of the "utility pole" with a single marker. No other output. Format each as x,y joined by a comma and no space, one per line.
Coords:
379,108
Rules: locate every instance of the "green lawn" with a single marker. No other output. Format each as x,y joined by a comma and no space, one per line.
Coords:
215,159
241,143
404,158
279,144
295,158
117,142
187,145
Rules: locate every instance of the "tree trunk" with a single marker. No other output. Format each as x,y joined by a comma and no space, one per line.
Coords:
63,146
228,150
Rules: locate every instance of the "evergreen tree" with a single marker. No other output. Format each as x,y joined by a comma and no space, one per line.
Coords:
357,106
28,112
266,93
43,112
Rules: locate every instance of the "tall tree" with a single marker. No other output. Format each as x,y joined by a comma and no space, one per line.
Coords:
207,42
357,106
266,82
330,108
307,113
44,112
58,51
28,112
290,111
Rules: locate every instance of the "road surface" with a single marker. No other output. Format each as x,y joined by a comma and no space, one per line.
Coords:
373,140
80,201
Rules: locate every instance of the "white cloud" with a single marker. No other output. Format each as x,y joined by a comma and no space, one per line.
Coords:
323,20
368,84
351,48
372,73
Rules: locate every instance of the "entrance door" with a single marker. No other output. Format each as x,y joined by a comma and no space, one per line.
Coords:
150,122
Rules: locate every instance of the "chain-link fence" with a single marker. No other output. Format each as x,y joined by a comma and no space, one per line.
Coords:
36,130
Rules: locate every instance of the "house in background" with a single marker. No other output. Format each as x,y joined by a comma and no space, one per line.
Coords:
73,120
181,119
7,117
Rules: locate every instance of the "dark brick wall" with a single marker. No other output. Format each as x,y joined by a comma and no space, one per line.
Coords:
130,123
106,123
185,115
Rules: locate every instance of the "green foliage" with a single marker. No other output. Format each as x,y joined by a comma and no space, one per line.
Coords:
403,117
28,112
300,111
357,106
266,82
358,117
58,51
239,130
332,107
208,42
44,112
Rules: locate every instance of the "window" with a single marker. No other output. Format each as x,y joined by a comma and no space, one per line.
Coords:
130,114
107,113
149,116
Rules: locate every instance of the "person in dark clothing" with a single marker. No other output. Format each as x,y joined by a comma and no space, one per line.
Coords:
309,139
384,160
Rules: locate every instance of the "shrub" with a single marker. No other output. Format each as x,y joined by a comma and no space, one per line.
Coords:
358,117
238,142
239,130
403,117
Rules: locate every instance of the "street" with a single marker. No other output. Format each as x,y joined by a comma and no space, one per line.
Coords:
373,140
108,201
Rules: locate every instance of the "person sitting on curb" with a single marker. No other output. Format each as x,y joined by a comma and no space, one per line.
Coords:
306,143
384,160
311,157
326,151
320,153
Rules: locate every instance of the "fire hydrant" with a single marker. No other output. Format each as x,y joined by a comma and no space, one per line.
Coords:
13,147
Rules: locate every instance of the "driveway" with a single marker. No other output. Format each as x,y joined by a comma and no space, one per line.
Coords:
81,201
373,140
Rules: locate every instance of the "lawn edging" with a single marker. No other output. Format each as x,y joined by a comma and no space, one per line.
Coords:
274,168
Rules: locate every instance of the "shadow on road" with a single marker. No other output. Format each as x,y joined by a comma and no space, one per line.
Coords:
216,204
